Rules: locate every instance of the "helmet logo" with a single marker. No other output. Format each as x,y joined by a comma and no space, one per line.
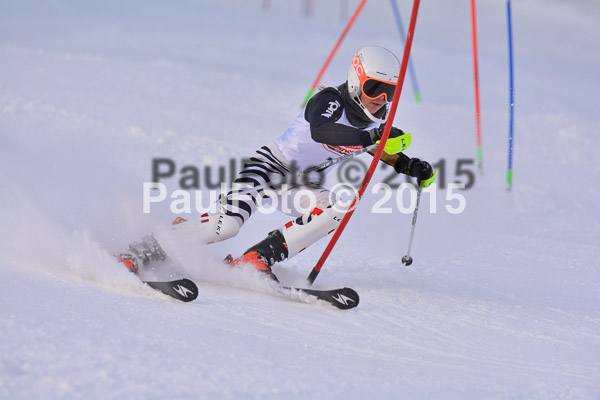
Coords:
358,67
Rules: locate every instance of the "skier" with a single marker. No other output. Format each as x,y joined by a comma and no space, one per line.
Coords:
336,121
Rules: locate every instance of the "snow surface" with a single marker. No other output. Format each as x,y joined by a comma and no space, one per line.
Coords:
501,301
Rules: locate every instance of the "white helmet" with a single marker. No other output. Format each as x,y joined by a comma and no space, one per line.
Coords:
374,72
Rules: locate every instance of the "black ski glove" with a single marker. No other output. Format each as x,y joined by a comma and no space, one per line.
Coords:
414,167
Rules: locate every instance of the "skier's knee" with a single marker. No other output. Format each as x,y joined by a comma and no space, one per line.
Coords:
209,228
308,229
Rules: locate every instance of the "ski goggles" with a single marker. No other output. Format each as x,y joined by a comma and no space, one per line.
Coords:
373,88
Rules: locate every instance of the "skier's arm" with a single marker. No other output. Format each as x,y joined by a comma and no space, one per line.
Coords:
322,112
392,159
398,161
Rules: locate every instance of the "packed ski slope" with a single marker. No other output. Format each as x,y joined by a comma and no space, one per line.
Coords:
500,302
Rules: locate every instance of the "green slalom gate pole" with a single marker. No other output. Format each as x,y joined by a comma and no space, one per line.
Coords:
333,51
411,68
509,172
476,72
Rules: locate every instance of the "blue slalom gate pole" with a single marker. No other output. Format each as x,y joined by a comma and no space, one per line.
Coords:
411,69
512,99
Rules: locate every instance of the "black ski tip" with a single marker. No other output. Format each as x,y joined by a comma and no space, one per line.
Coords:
345,298
181,289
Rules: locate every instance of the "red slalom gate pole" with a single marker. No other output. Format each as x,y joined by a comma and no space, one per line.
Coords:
333,51
476,72
379,152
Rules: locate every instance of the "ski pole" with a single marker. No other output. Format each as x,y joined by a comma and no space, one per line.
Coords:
309,170
407,259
